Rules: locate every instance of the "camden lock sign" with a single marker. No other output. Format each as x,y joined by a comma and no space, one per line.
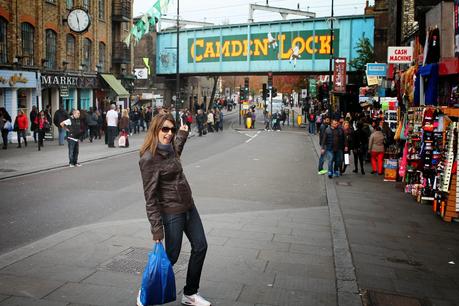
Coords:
296,45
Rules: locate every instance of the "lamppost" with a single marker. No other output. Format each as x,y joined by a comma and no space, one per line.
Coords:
177,94
330,83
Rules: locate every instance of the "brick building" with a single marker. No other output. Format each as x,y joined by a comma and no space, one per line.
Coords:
49,64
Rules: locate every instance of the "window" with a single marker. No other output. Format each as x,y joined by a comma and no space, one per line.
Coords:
70,51
102,9
87,49
69,4
3,39
87,4
51,48
27,37
101,57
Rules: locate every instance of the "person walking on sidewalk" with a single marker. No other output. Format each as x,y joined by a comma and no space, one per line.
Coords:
42,126
312,123
323,127
112,125
33,126
359,147
124,126
376,147
5,126
73,127
21,125
169,202
348,145
59,116
333,146
91,121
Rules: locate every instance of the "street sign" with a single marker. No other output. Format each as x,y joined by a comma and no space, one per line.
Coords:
399,55
304,93
375,69
141,74
64,91
339,75
313,87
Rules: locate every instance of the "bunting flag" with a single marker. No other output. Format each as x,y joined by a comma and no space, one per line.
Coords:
147,21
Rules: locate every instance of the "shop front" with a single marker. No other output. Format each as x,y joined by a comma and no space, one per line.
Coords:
115,91
19,90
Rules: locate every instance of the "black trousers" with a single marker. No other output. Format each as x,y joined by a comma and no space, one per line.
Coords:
5,137
111,134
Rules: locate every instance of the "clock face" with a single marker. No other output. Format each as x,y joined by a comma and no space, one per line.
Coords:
78,20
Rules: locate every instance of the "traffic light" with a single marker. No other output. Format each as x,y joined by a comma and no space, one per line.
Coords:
274,92
241,94
246,88
265,92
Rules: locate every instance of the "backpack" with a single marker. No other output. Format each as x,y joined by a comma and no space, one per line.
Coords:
312,117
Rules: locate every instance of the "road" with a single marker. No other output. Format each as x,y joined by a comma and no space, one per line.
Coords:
261,170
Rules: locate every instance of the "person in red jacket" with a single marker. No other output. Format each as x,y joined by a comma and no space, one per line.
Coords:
42,124
21,125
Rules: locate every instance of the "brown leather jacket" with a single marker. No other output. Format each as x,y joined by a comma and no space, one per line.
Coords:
165,186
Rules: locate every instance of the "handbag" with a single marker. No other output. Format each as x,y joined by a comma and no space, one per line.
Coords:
46,127
122,141
158,280
8,126
346,159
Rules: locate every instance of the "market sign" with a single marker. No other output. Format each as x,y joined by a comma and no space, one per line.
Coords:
339,75
376,69
399,55
57,80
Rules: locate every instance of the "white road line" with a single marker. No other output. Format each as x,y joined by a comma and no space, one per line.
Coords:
251,138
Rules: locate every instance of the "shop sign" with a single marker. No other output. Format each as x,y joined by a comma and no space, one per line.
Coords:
313,87
376,69
18,79
304,93
71,81
141,74
64,91
339,75
399,55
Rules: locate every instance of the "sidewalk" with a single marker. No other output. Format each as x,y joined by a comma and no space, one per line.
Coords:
402,252
20,161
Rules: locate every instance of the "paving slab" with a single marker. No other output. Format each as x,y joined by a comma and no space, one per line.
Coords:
27,287
22,301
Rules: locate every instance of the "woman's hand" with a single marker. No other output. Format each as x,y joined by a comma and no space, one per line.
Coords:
157,241
184,127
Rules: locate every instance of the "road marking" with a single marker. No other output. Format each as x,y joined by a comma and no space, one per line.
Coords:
252,137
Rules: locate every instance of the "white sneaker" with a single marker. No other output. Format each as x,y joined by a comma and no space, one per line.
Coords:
71,165
139,303
78,165
194,300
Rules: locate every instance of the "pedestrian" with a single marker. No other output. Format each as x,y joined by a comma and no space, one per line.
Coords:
33,126
169,202
333,147
134,116
91,121
59,116
200,121
360,147
254,118
210,121
323,127
348,144
312,123
100,124
21,124
142,119
124,126
220,122
84,125
148,117
376,148
73,126
112,125
42,126
5,126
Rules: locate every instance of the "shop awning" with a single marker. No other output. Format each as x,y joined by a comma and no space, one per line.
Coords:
116,85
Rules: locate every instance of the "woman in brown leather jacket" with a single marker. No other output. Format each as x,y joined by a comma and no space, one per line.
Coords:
169,202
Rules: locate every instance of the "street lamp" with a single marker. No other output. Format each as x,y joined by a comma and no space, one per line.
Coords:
177,89
330,83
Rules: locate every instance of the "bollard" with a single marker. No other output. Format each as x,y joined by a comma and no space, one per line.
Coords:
299,120
249,123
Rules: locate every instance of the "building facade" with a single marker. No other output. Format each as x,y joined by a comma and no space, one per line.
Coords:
56,65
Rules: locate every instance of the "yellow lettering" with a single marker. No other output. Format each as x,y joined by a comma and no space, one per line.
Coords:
282,53
217,49
309,42
200,43
246,44
225,48
260,46
300,42
236,48
209,50
325,44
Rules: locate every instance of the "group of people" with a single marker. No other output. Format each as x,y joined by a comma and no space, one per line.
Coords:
210,121
362,137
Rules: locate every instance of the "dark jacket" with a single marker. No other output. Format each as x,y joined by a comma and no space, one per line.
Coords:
59,116
333,139
124,123
322,129
166,189
348,141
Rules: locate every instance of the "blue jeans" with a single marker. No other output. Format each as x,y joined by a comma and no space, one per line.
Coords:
335,159
73,151
190,224
327,155
312,127
62,133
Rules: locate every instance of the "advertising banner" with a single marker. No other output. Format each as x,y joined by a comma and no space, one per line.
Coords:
339,75
399,55
376,69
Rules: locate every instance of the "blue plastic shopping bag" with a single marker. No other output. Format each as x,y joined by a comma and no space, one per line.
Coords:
158,281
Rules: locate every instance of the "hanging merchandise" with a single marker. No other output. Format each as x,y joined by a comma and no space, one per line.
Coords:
427,74
433,50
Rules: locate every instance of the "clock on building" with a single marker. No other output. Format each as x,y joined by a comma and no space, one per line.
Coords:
78,20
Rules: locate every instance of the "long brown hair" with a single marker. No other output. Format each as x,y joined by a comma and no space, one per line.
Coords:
151,140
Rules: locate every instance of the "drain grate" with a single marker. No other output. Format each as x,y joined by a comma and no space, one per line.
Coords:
7,170
376,298
404,261
134,260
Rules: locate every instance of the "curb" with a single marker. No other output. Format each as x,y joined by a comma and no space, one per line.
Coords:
348,293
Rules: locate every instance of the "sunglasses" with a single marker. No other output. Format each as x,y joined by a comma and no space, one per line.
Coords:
166,129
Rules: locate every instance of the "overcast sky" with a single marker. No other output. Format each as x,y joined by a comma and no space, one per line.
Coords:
237,11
